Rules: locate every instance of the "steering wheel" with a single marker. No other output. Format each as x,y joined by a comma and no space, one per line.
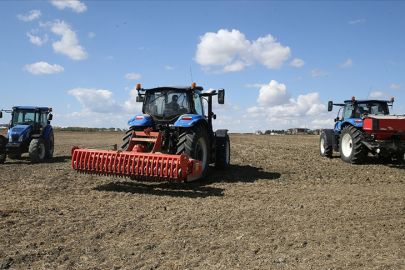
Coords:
28,120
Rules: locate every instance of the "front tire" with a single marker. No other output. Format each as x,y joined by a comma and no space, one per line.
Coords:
325,150
194,142
37,150
351,148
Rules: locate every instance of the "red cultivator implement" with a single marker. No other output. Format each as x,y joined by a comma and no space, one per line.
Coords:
136,163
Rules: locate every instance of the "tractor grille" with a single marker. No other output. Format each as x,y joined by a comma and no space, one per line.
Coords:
15,137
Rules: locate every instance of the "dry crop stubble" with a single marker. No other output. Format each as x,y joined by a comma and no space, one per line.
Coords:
279,206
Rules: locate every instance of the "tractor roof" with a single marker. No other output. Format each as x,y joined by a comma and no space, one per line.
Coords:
31,108
367,100
176,87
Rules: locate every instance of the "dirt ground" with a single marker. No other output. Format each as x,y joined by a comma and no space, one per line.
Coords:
279,206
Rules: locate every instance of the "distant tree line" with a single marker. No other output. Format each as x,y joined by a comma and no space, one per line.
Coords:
87,129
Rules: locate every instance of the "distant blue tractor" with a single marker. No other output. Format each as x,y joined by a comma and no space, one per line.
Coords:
29,132
364,127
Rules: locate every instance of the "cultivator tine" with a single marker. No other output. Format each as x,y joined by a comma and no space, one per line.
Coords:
136,165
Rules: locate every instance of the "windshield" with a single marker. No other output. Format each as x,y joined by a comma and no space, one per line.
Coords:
23,117
166,103
371,108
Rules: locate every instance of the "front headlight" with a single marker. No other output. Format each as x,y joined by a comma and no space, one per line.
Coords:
21,138
10,139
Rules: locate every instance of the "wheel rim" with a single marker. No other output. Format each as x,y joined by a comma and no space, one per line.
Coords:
322,145
201,152
41,151
347,145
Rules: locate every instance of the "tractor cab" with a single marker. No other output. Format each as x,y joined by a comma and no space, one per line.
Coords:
166,103
37,118
353,111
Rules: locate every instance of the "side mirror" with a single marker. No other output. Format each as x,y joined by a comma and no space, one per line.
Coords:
1,114
330,106
221,96
50,116
140,99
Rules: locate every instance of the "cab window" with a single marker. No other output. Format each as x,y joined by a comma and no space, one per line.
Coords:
348,111
197,103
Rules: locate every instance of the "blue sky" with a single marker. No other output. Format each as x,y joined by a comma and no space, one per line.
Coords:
279,62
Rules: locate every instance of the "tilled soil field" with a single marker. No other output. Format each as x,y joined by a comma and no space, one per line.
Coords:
279,206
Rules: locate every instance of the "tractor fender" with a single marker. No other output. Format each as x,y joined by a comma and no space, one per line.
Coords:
189,120
46,131
220,138
141,120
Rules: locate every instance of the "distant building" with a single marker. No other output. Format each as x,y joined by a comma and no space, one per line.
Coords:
298,131
316,131
258,132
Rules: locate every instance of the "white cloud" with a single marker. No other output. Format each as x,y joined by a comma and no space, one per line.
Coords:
297,62
169,67
396,86
280,110
378,94
43,68
68,45
273,94
305,105
75,5
316,72
348,63
101,102
133,76
37,40
232,51
91,35
357,21
34,14
322,123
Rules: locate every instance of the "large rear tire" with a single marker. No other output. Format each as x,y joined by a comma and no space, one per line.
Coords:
194,142
37,150
50,145
224,155
325,150
351,148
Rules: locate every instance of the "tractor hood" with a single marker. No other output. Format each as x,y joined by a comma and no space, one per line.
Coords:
15,132
19,129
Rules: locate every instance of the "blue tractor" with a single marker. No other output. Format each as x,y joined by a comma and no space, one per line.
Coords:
29,132
364,127
177,113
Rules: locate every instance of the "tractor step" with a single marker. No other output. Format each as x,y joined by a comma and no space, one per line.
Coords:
136,165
